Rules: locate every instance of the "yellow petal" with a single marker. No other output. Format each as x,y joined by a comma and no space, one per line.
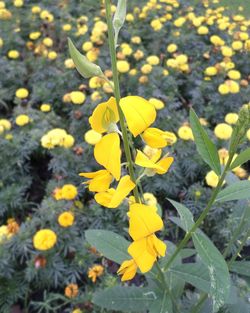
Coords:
104,198
143,221
164,164
107,152
155,137
139,252
100,181
127,270
139,113
104,114
156,246
143,161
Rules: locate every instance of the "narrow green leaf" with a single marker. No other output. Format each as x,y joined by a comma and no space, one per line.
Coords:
125,299
205,146
119,17
112,246
242,158
241,267
186,216
217,268
83,65
237,191
195,274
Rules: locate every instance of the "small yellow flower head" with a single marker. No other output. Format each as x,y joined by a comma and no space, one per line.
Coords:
223,89
172,48
179,22
88,45
156,25
153,60
66,27
158,104
68,141
68,63
156,138
233,74
223,131
18,3
34,35
66,219
36,9
92,137
185,133
212,179
211,71
44,239
95,271
52,55
123,66
217,41
150,199
237,45
48,42
69,192
22,93
226,51
99,181
139,113
77,97
231,118
128,270
223,155
45,107
71,291
4,233
203,30
77,311
5,124
22,120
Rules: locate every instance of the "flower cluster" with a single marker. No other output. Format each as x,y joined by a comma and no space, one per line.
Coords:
57,138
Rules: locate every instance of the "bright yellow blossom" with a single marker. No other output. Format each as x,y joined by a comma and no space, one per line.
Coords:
44,239
99,181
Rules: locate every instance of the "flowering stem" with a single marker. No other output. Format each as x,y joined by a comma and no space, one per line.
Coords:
201,217
118,97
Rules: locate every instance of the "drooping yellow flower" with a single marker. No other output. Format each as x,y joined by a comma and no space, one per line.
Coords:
143,221
107,153
157,138
44,239
127,269
139,113
112,198
99,181
104,115
160,167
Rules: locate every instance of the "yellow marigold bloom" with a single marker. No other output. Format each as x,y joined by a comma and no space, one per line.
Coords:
179,22
158,104
5,124
92,137
52,55
34,35
153,60
88,45
112,198
226,51
66,219
123,66
136,40
211,71
66,27
223,89
171,48
129,17
13,54
95,271
237,45
18,3
203,30
152,164
57,194
69,192
156,24
212,179
181,59
217,41
99,181
107,153
139,113
127,269
4,233
240,172
68,141
157,138
185,133
105,116
45,107
146,69
48,42
69,63
44,239
22,120
77,97
233,74
223,131
231,118
36,9
22,93
71,291
77,311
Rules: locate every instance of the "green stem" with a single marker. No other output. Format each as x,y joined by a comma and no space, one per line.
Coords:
197,307
201,217
118,97
239,249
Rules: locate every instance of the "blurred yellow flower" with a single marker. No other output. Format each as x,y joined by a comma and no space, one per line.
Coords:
223,131
69,192
44,239
66,219
22,120
22,93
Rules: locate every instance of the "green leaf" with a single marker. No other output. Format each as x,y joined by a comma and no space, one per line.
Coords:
187,253
185,215
125,299
195,274
205,146
112,246
83,65
241,267
242,158
217,268
237,191
119,17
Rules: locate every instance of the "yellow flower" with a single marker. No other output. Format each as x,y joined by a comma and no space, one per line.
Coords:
22,120
44,239
18,3
146,69
211,71
157,138
172,48
123,66
22,93
150,199
95,271
66,219
156,24
226,51
160,167
112,198
223,89
107,153
5,124
68,141
87,46
92,137
233,74
223,131
105,116
153,60
48,42
158,104
34,35
4,233
69,192
127,269
71,291
185,133
45,107
100,180
52,55
202,30
77,97
237,45
217,41
212,179
231,118
139,113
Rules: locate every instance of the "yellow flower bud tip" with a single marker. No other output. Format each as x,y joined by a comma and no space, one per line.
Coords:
128,270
